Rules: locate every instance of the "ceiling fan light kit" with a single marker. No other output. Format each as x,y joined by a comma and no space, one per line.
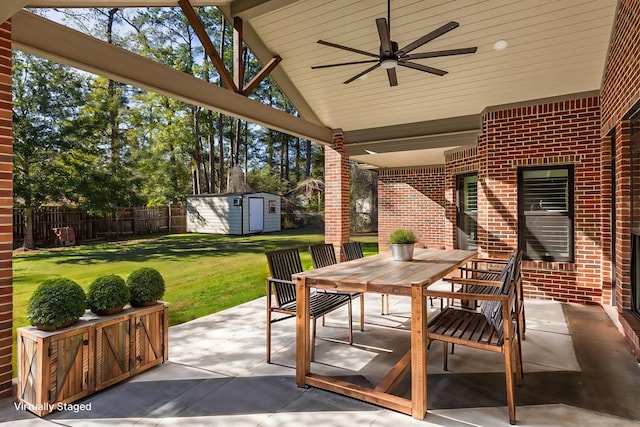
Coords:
390,56
388,63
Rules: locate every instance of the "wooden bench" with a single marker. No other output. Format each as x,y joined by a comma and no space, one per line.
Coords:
492,327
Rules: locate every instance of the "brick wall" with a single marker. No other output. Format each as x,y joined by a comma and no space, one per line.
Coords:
412,198
566,132
6,203
620,96
336,211
621,84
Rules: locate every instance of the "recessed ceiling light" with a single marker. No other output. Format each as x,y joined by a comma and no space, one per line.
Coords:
500,45
364,77
370,152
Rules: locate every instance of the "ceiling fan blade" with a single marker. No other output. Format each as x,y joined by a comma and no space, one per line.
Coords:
350,49
438,53
424,68
428,37
368,61
393,77
357,76
385,37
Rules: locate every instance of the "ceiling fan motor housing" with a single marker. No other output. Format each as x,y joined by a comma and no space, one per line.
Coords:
394,50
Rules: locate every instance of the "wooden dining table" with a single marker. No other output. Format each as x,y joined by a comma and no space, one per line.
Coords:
378,274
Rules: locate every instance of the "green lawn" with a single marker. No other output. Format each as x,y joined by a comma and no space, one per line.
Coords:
204,273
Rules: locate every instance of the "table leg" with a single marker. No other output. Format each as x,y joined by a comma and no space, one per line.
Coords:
418,353
303,360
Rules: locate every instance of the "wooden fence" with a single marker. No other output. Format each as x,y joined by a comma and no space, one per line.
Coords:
124,222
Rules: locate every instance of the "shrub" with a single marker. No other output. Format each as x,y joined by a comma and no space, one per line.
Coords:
108,291
146,284
55,302
402,236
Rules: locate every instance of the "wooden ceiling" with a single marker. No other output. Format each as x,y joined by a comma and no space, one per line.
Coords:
555,48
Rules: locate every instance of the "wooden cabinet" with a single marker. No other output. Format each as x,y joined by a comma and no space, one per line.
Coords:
69,364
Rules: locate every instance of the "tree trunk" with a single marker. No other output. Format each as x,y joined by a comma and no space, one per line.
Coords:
197,157
28,229
285,157
113,110
220,121
307,165
221,154
246,153
298,158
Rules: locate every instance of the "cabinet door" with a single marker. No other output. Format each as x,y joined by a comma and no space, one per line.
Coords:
69,367
113,346
29,369
149,339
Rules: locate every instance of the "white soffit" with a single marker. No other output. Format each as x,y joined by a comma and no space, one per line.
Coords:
401,159
555,48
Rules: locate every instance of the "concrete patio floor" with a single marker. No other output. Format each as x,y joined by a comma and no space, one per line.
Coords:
578,371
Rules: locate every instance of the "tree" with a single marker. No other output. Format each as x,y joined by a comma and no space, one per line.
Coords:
122,146
46,101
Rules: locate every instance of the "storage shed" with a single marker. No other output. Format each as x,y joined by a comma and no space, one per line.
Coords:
233,213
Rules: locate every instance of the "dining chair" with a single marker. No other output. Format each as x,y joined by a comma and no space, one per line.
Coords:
324,255
491,328
281,295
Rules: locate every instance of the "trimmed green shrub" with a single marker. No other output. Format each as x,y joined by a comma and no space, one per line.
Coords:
55,302
402,236
109,291
146,284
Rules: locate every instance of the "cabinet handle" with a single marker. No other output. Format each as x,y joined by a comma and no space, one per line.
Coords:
85,342
139,358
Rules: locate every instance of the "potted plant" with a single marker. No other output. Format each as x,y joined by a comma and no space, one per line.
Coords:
55,304
402,243
146,286
107,295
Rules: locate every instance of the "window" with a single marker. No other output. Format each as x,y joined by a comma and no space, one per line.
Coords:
545,213
272,206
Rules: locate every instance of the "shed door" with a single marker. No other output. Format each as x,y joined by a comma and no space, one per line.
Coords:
256,214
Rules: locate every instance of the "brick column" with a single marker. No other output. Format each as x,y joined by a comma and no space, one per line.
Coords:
6,211
336,195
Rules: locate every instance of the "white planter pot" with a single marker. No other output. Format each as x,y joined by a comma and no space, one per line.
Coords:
402,251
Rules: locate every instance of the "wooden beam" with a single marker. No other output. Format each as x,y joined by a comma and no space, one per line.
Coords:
262,74
391,380
198,27
10,7
47,39
281,78
119,3
248,9
238,63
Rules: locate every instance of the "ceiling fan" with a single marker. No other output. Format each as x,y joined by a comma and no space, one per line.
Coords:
390,56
